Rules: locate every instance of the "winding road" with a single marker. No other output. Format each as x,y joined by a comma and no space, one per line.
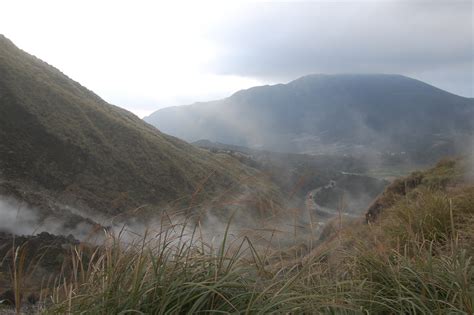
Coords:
320,214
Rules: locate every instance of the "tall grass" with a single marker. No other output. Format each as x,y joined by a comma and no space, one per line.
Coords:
413,262
415,259
172,274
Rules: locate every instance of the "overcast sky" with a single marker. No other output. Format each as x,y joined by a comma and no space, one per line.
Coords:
144,55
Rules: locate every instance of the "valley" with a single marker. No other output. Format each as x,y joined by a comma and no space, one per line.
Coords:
295,198
356,115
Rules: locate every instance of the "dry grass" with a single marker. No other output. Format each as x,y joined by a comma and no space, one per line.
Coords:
416,258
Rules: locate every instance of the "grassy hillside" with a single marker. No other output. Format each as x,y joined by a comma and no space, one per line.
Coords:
59,142
415,257
59,137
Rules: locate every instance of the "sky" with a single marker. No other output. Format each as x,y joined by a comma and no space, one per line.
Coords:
146,55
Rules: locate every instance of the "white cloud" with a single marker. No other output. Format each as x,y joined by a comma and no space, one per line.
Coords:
139,55
143,55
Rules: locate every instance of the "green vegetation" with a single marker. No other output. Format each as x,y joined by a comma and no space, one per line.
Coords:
412,255
59,138
414,258
422,267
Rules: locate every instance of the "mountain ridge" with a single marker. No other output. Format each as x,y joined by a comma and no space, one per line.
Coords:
62,137
379,112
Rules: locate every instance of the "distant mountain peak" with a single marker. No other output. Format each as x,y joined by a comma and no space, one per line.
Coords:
331,113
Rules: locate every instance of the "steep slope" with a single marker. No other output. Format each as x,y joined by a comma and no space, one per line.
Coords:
445,176
332,114
60,138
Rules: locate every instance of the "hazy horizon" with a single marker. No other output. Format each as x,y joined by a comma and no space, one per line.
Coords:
152,56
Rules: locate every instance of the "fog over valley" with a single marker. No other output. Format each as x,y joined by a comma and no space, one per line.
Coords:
244,157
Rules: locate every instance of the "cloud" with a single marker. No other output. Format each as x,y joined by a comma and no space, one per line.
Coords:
161,53
20,219
429,40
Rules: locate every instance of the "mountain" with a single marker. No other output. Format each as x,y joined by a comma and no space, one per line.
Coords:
350,114
60,140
